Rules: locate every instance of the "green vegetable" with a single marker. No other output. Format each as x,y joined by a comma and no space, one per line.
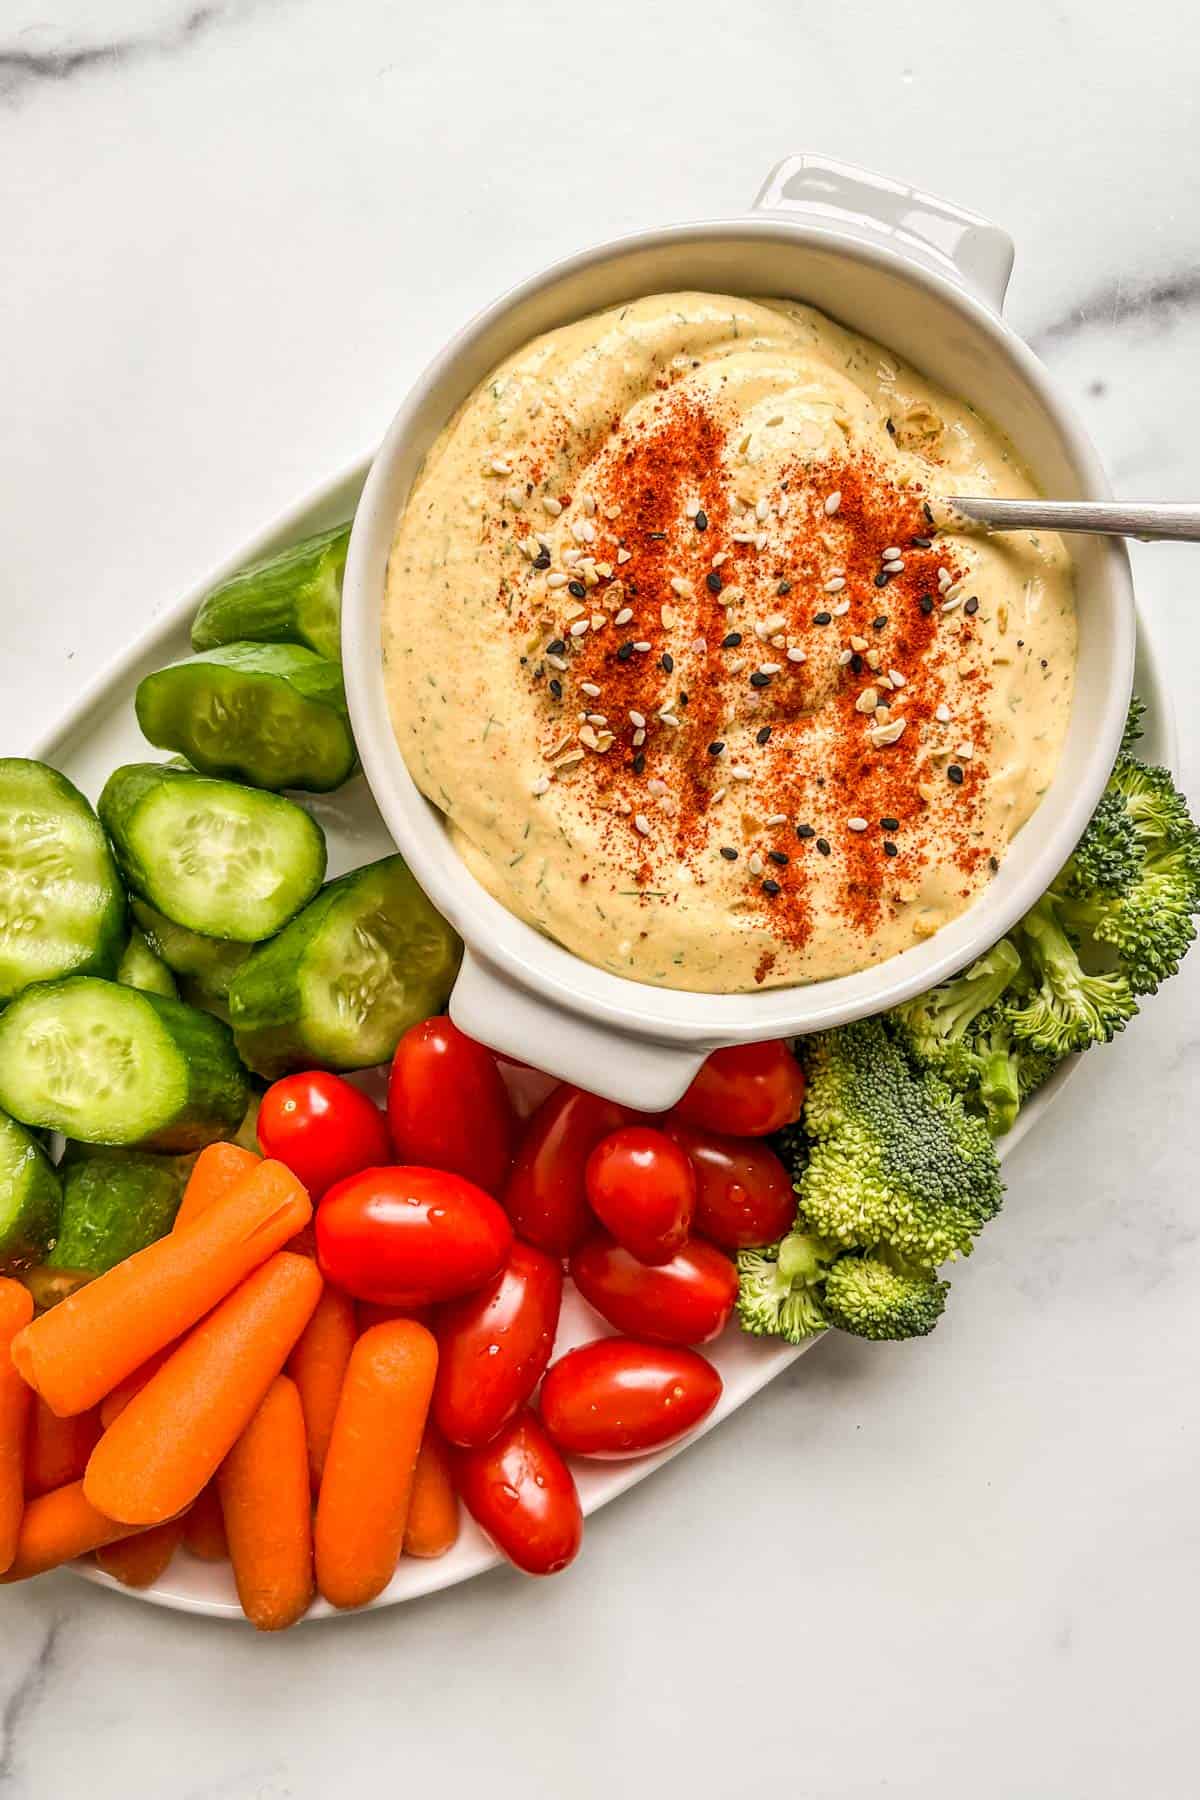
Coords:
62,908
30,1198
272,715
112,1065
341,984
806,1283
294,597
779,1288
878,1295
115,1202
205,965
223,860
1067,1009
139,967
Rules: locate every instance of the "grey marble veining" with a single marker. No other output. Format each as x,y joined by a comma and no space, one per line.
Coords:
965,1567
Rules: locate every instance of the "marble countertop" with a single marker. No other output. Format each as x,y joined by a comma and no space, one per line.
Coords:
234,230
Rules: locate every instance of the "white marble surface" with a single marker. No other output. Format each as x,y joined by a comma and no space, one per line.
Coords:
964,1568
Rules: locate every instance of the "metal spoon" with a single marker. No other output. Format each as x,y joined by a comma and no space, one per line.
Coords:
1147,522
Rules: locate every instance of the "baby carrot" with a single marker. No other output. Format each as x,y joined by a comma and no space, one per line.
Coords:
57,1450
432,1526
16,1310
59,1526
80,1350
218,1168
138,1561
204,1526
172,1437
114,1404
363,1504
267,1507
318,1366
377,1312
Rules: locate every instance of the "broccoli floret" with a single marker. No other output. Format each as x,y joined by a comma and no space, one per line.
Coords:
1158,810
935,1024
894,1155
1068,1009
878,1296
1108,857
779,1289
1134,724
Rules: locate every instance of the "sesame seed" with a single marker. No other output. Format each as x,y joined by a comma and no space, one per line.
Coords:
760,541
889,824
955,774
701,521
954,590
805,831
499,467
782,504
556,662
762,509
922,543
892,550
896,678
668,718
729,853
835,584
822,618
972,606
624,616
764,735
832,502
680,585
722,556
777,819
785,587
926,603
718,796
578,628
639,738
597,718
857,824
642,824
716,748
743,537
712,582
666,662
889,849
577,590
541,785
823,846
731,640
589,505
624,651
589,687
552,506
882,579
770,887
556,581
641,646
760,679
950,602
691,509
637,720
656,786
943,714
740,772
556,687
779,857
796,656
771,668
841,609
844,658
754,863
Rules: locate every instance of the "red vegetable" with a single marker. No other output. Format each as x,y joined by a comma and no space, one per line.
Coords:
744,1195
545,1198
493,1347
617,1397
405,1236
641,1186
746,1091
521,1493
321,1128
685,1301
448,1107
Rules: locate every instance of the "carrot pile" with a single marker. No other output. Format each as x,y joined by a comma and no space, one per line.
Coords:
212,1392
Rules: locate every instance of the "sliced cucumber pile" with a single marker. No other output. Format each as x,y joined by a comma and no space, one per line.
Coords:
292,598
112,1065
139,967
30,1198
205,965
272,715
114,1202
62,909
340,985
224,860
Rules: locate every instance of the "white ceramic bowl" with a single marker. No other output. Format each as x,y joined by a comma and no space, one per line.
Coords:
922,277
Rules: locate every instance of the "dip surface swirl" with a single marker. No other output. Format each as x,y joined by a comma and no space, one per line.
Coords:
671,639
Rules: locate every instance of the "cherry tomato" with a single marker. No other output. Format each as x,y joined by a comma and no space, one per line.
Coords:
642,1187
493,1347
406,1236
685,1301
746,1091
448,1107
617,1397
322,1128
744,1195
545,1198
521,1493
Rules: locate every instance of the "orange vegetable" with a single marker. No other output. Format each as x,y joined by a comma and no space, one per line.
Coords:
432,1525
57,1450
172,1437
267,1507
318,1366
138,1561
114,1404
85,1346
204,1526
16,1310
365,1492
58,1527
374,1312
217,1169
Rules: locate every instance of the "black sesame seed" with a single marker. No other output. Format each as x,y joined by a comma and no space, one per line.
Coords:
891,429
822,618
823,846
557,648
624,651
729,853
955,774
889,824
778,856
993,863
785,587
701,521
577,590
542,560
879,623
712,582
764,735
639,762
927,510
922,543
882,579
731,640
683,699
759,680
666,663
971,606
926,603
856,664
770,887
657,536
1045,664
556,687
805,831
889,849
716,747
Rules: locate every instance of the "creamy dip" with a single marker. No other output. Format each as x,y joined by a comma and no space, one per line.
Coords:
672,640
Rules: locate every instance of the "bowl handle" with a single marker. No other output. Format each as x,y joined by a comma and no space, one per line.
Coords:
975,254
634,1071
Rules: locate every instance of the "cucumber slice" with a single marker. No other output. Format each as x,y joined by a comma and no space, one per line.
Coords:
341,984
205,965
221,859
272,715
292,598
110,1065
30,1198
62,909
139,967
114,1202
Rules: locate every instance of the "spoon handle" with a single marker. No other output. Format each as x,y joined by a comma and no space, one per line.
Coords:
1150,523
